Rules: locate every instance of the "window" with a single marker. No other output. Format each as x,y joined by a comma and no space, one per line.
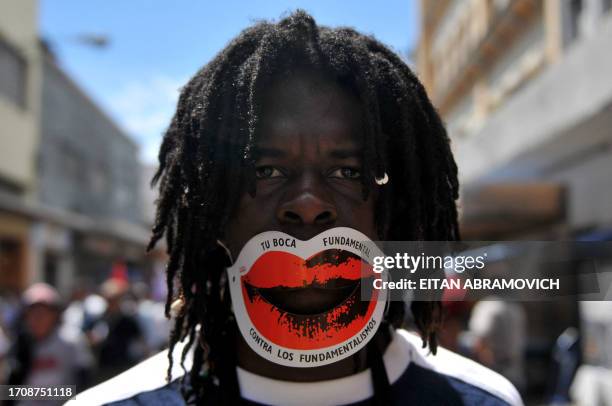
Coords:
575,11
11,264
12,74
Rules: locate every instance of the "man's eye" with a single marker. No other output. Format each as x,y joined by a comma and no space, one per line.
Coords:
267,172
346,173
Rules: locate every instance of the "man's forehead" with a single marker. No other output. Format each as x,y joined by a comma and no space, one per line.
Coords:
308,112
280,146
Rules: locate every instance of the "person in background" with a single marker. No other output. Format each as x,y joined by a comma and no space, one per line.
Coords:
44,353
456,314
4,347
117,336
10,307
150,314
74,314
497,331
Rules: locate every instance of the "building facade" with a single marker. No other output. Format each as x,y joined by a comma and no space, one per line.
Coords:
20,76
89,172
525,89
71,203
20,88
86,164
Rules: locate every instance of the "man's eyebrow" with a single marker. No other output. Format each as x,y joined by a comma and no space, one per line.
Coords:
338,153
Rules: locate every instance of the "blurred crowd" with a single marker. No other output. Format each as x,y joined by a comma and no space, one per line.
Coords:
100,332
87,339
494,332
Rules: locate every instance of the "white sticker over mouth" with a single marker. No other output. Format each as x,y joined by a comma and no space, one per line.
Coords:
276,273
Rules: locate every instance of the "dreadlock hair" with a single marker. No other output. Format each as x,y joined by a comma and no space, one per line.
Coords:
207,156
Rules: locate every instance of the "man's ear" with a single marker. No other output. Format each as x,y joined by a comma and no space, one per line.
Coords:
177,307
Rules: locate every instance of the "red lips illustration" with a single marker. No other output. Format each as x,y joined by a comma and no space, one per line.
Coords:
333,277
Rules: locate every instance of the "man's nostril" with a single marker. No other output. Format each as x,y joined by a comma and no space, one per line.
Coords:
324,218
307,209
292,217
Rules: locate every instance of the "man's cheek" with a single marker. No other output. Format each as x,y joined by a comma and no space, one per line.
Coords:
247,222
360,218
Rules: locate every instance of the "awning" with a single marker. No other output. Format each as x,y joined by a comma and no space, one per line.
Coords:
117,229
498,210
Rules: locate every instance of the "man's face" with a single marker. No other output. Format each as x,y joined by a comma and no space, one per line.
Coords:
40,320
308,166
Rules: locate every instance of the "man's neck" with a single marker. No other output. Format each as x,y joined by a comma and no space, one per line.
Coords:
252,362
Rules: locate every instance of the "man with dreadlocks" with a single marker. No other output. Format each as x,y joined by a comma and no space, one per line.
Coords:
312,141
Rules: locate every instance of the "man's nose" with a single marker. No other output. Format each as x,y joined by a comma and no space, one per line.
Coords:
308,207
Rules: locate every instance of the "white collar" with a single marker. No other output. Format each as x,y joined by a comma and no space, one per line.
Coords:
150,375
345,390
405,348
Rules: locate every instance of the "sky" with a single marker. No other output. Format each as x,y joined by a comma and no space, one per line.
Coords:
155,46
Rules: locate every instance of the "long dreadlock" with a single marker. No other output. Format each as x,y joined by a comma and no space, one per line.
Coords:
207,156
